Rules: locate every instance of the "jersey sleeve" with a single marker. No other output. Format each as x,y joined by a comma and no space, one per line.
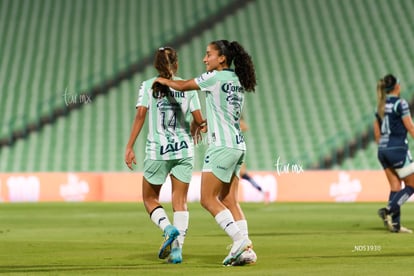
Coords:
403,108
143,96
206,81
194,101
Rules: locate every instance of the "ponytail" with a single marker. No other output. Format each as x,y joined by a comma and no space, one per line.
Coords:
243,67
381,97
243,64
384,86
166,63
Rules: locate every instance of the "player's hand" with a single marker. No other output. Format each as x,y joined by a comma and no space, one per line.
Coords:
130,158
160,80
196,131
203,128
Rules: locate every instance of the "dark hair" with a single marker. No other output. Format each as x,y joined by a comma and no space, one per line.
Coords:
166,63
384,86
243,64
389,83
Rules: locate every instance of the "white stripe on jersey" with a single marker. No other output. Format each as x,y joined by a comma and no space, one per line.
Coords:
225,98
169,119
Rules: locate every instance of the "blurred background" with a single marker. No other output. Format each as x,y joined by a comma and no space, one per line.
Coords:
70,72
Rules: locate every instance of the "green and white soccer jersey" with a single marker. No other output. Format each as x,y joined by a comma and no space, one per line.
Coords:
169,121
224,103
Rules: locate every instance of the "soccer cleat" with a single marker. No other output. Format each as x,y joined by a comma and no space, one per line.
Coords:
170,234
382,213
386,216
236,250
405,230
176,256
246,258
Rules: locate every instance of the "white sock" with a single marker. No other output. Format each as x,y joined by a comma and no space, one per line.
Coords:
242,224
160,218
181,219
227,223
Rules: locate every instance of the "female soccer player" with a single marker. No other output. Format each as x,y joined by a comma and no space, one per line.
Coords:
225,90
393,121
169,150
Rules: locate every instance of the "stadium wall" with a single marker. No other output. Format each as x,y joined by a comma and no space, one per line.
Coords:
278,186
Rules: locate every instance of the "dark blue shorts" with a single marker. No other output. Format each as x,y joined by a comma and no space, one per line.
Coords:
394,158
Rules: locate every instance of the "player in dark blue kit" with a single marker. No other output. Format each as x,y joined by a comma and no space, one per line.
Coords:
393,121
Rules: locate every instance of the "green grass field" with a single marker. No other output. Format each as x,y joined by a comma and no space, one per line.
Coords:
119,239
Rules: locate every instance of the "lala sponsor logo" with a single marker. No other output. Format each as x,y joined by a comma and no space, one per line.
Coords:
173,147
75,189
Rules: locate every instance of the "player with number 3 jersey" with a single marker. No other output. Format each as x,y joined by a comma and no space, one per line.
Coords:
224,99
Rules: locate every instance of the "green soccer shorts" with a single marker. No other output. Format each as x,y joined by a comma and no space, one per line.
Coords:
156,171
223,162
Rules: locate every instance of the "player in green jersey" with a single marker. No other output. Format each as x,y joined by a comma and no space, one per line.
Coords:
225,89
169,150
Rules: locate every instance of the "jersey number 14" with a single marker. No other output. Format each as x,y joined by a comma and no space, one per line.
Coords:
168,121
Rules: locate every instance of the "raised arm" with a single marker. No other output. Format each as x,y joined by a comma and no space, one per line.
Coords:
179,85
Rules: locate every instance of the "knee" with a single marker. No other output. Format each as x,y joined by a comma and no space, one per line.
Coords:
229,201
208,202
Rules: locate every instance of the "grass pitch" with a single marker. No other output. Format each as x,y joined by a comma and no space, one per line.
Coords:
120,239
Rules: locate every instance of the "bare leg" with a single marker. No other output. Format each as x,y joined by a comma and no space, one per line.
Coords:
179,194
211,188
229,197
393,180
150,195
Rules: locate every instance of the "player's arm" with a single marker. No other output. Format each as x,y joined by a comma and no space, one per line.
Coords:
136,129
179,85
198,118
409,125
198,125
198,121
377,131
